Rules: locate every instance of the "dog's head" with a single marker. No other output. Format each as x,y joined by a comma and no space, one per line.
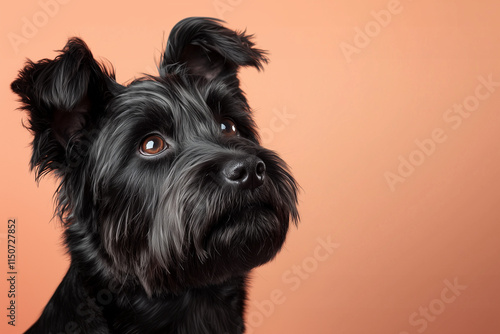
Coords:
163,181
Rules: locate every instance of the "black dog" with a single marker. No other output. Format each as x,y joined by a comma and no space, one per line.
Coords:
167,198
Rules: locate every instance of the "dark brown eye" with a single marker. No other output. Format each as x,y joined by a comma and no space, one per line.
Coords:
228,128
153,144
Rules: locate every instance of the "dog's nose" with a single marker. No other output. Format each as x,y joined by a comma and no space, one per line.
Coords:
248,173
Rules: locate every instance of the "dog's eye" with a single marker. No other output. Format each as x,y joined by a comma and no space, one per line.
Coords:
153,144
228,128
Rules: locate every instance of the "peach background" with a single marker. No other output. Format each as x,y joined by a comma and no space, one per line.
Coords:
351,123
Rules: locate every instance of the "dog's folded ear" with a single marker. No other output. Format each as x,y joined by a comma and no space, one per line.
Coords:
63,97
205,48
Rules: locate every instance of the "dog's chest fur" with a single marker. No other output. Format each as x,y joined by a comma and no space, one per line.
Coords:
109,309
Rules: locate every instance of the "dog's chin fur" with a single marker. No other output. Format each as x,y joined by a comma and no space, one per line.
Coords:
171,232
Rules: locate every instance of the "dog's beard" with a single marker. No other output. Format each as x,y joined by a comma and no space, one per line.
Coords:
220,231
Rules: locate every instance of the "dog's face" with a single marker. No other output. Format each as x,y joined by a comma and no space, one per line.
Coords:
163,181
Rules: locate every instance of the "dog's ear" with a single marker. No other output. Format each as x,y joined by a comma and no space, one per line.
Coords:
64,97
205,48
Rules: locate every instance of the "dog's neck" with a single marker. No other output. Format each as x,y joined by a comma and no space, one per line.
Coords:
211,309
106,309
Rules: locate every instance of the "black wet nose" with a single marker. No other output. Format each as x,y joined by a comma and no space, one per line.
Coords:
247,173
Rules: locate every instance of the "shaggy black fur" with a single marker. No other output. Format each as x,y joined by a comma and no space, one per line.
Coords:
167,198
